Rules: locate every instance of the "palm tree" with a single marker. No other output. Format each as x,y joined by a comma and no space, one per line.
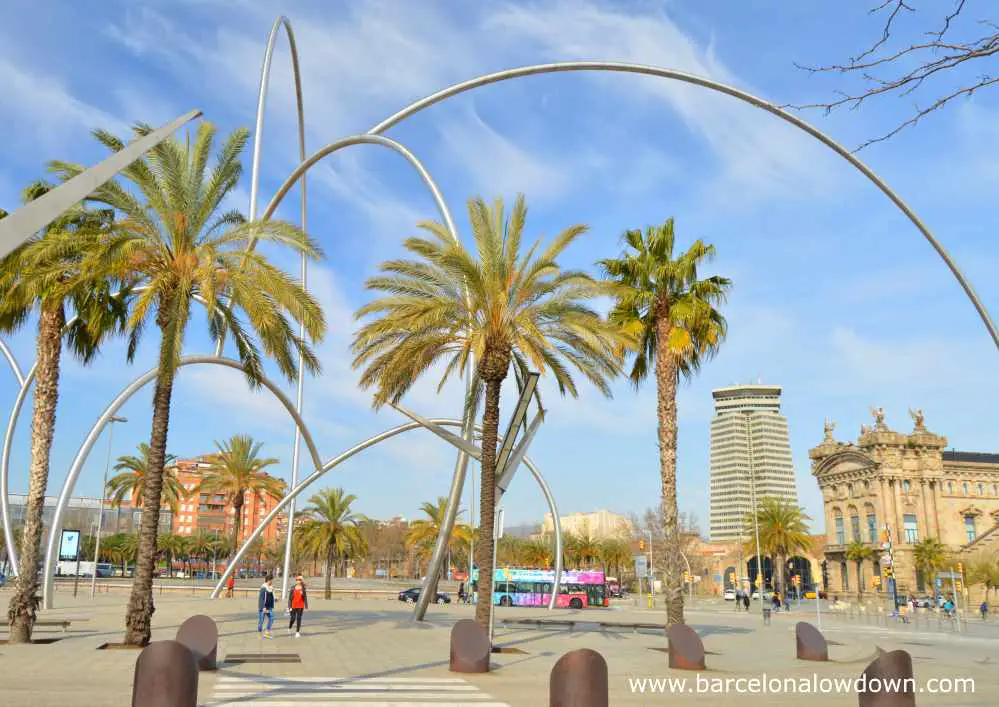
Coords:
662,302
423,532
929,556
46,275
180,247
237,471
131,482
983,570
615,554
582,549
858,552
121,547
173,546
537,553
498,305
332,530
783,530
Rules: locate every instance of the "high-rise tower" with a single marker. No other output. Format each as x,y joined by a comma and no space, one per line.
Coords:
749,443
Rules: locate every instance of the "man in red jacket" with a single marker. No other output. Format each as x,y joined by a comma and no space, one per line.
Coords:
298,602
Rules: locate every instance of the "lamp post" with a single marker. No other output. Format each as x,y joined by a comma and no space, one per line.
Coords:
756,517
100,512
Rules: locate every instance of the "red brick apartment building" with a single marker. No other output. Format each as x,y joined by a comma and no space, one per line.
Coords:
208,512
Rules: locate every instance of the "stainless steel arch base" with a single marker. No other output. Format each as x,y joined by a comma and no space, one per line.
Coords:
95,431
360,447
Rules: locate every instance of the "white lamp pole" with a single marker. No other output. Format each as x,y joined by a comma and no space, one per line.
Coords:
100,512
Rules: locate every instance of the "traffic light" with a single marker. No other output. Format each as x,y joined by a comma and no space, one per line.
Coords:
825,573
960,568
889,571
876,582
641,545
796,580
686,576
731,577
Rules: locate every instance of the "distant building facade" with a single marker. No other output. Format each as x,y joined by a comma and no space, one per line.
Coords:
911,483
600,524
208,513
82,514
749,443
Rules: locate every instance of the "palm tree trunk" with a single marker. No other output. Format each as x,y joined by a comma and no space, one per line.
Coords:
237,507
24,602
666,385
330,559
138,619
487,494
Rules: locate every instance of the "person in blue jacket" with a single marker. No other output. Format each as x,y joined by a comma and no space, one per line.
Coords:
265,606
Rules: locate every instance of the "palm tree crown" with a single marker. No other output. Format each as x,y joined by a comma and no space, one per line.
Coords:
499,305
236,470
783,529
132,481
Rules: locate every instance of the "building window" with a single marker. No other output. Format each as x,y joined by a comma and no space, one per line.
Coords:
844,576
872,528
995,489
849,490
840,532
911,532
969,528
950,487
906,486
980,487
964,487
855,527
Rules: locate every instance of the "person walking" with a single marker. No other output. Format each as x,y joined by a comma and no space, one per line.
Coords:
461,593
745,601
230,585
298,602
984,610
265,606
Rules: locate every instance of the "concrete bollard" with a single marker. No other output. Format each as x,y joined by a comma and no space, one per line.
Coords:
200,634
166,675
891,668
470,648
579,679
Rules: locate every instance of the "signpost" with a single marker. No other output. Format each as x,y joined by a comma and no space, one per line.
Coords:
497,534
69,550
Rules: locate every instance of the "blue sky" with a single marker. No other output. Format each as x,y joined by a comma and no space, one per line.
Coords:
837,298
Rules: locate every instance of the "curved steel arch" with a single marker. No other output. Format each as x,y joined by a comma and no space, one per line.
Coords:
258,136
95,431
622,67
360,447
8,442
12,362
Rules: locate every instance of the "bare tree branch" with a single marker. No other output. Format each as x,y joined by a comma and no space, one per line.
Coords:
903,71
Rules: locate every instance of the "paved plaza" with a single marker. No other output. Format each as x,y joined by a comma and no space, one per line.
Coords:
368,651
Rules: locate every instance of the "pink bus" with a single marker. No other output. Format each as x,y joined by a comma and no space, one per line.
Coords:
530,587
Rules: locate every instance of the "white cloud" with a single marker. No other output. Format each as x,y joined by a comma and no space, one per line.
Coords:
917,363
42,106
760,156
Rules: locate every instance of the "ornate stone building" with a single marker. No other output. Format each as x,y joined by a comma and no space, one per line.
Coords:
910,482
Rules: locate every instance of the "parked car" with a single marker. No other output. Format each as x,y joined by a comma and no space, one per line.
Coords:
729,595
411,595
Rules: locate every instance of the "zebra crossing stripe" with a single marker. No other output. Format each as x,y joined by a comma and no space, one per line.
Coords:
348,691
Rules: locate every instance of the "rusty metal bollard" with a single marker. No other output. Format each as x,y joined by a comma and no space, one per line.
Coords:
470,648
810,643
686,650
200,634
579,679
166,675
892,668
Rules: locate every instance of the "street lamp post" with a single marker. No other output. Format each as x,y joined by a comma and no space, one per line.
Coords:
756,518
100,512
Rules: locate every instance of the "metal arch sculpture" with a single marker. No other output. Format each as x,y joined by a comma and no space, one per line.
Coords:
258,135
109,411
623,67
370,442
11,362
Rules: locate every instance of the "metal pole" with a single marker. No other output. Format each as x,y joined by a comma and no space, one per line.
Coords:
756,519
818,607
953,588
76,577
497,530
652,575
100,512
471,542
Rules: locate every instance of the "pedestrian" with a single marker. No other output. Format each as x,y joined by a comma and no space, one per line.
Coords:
230,584
475,591
298,602
984,610
265,606
745,600
461,592
775,599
